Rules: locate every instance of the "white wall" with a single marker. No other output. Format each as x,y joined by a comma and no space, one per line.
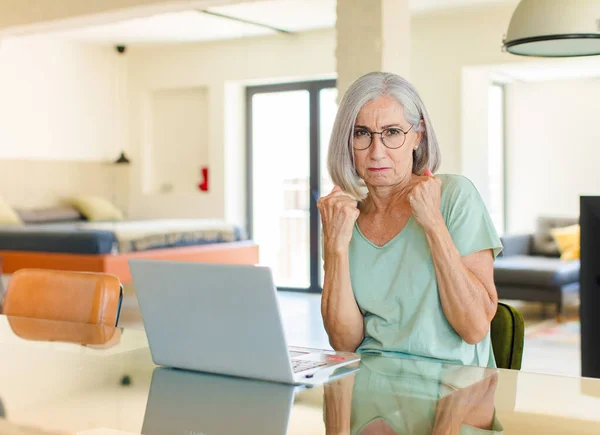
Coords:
474,127
179,146
58,100
442,44
28,184
224,68
553,148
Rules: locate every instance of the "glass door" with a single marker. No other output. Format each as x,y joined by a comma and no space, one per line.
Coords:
288,133
328,109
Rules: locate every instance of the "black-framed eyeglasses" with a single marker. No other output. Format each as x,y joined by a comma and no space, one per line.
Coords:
392,137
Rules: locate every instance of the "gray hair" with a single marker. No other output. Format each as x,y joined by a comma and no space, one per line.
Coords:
340,158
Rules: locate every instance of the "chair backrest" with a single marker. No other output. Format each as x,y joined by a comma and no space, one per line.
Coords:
508,336
81,297
65,332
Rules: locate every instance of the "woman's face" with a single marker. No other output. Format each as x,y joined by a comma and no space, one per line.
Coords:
378,165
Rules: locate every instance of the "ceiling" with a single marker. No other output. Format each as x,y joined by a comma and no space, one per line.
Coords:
421,6
196,26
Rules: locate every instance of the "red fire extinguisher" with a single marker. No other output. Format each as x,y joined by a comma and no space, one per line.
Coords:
203,186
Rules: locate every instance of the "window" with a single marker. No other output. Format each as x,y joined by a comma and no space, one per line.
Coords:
496,157
288,134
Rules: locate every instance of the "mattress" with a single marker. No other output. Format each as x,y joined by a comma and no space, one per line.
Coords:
83,237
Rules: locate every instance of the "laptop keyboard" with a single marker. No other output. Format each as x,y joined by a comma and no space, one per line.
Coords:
299,365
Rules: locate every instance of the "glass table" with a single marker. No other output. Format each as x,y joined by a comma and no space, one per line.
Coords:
87,379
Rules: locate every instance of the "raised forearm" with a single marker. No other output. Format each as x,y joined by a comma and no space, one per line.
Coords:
341,316
466,302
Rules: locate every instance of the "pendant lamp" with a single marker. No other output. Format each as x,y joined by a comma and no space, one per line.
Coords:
554,28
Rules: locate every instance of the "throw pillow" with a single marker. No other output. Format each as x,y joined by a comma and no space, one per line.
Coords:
96,209
7,214
49,215
543,242
568,241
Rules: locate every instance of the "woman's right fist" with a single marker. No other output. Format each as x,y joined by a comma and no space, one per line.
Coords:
339,212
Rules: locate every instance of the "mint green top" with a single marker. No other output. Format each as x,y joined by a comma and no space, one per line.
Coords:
396,288
405,394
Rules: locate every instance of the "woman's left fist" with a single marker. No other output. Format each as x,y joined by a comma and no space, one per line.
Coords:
425,200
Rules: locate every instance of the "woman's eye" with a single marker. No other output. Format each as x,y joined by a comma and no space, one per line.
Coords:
361,133
393,132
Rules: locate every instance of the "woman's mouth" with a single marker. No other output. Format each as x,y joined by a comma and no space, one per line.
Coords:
378,169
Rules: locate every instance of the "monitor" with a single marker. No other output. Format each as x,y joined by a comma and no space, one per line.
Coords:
589,285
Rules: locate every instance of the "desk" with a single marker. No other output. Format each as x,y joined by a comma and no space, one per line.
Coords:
73,385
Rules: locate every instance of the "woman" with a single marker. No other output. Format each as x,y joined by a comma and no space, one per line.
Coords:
408,256
406,396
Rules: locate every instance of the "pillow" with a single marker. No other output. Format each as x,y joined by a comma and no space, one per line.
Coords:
49,215
543,242
7,215
568,241
95,208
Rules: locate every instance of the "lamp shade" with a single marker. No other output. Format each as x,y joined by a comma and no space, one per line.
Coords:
554,28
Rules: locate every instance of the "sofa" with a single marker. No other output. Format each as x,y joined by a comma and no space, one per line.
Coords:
530,268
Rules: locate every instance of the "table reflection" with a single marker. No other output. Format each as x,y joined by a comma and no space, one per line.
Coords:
185,402
400,396
96,336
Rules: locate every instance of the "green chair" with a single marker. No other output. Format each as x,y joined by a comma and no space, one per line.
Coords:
508,335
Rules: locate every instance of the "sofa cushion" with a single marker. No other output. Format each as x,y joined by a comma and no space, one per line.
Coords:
568,241
50,215
8,216
543,242
95,208
526,270
516,244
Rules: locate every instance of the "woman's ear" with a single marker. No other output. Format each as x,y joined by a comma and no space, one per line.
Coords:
420,133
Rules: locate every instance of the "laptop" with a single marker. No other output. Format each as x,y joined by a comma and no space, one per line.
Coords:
223,319
185,402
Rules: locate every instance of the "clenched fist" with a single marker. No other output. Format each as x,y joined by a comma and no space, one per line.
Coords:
339,212
424,198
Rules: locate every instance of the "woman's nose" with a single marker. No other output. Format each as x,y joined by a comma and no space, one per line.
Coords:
377,148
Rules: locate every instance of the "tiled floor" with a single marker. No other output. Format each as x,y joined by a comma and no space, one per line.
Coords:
548,356
301,316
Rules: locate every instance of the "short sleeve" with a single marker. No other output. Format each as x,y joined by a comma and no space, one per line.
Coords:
496,429
467,217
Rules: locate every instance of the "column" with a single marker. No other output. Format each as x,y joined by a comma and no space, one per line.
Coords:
372,35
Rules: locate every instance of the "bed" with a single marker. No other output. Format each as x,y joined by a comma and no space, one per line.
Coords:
107,246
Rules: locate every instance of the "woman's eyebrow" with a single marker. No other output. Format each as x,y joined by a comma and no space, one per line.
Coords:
363,127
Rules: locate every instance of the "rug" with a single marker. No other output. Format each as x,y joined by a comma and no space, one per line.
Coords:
567,332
